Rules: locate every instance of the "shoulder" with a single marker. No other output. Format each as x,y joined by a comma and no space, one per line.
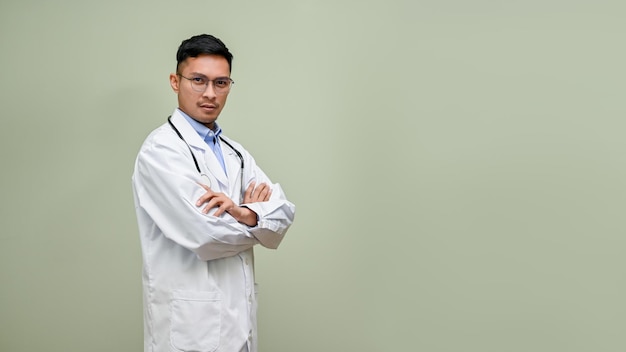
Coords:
163,134
163,137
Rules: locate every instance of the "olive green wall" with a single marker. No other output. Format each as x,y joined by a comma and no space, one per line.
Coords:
458,166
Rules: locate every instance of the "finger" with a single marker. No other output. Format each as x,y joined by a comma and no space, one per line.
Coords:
261,191
224,207
220,210
264,192
247,196
205,198
269,195
204,186
249,190
210,205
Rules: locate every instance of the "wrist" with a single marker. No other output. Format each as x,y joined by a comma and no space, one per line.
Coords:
245,216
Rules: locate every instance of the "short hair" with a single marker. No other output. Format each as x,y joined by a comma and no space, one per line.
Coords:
202,44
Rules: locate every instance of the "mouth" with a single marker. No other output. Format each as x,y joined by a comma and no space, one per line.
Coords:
208,107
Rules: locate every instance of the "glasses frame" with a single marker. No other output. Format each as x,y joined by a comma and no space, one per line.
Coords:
212,81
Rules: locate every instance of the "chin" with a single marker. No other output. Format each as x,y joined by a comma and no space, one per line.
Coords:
208,120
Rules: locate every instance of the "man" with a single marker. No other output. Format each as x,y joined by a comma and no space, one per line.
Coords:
202,204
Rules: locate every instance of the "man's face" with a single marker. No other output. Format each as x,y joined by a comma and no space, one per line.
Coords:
202,106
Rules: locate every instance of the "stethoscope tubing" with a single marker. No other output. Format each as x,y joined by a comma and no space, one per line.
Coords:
195,161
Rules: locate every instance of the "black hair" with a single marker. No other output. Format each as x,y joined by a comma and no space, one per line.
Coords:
202,44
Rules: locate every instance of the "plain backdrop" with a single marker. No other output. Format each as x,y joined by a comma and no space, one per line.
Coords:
458,169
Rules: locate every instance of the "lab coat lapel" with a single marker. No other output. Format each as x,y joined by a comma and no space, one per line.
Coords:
233,166
195,142
215,167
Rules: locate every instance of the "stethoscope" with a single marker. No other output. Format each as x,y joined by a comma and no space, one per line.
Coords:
204,176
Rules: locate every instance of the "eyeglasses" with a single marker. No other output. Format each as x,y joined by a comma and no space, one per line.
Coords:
221,85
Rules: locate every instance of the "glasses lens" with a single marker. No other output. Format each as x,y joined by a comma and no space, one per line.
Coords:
220,85
198,83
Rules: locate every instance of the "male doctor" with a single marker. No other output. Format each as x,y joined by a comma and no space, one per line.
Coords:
202,204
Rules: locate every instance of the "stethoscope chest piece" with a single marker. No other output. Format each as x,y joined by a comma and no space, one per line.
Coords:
205,180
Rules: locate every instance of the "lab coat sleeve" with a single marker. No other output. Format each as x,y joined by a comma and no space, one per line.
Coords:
167,190
275,216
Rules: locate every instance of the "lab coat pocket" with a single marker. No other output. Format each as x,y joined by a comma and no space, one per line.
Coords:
196,320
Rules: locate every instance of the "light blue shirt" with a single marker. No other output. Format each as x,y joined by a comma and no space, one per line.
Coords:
209,136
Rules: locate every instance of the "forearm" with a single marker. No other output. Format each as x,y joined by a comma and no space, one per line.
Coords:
273,219
244,215
168,199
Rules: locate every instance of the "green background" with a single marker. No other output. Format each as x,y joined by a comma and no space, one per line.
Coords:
458,169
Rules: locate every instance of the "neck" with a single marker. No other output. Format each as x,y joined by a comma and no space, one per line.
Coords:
210,125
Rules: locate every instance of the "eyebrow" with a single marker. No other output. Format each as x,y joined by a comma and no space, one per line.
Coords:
198,74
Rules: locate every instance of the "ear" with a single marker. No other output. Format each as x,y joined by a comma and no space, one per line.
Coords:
174,82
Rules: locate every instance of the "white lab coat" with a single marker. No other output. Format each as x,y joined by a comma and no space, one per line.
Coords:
198,279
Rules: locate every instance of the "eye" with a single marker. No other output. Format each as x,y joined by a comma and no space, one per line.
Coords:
221,83
198,80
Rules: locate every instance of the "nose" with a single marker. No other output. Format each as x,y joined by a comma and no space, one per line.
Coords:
209,92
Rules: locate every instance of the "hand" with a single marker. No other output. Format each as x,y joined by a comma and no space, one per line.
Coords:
254,194
213,200
225,204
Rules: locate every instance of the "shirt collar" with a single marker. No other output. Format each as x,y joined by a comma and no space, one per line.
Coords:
204,132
